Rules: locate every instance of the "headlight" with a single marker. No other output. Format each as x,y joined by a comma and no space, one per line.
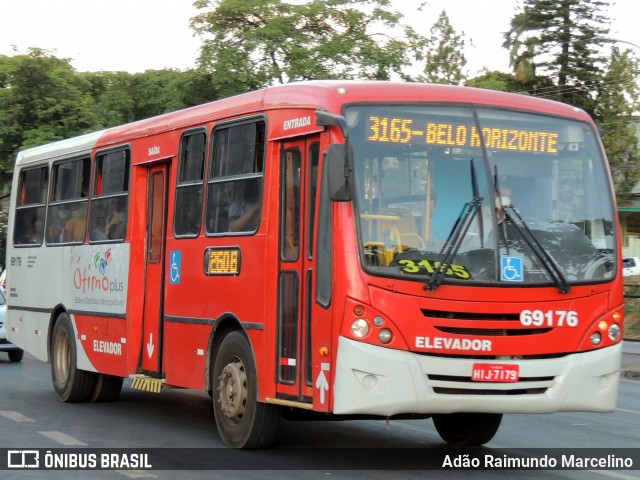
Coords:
385,335
596,338
360,328
614,332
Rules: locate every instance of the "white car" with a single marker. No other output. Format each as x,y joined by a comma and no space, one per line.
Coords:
630,266
15,353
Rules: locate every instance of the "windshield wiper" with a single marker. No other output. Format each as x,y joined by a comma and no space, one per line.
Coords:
457,234
511,214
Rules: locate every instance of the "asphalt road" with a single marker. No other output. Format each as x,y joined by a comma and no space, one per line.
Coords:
31,417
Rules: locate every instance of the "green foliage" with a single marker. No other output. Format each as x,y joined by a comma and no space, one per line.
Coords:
444,49
616,105
556,50
253,43
41,100
560,40
632,308
493,80
122,97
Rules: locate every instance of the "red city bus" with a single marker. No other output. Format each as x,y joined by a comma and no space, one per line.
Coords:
348,249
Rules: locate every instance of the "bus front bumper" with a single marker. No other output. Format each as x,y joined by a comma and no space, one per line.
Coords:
380,381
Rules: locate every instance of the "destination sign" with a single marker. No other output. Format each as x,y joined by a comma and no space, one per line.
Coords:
410,130
222,261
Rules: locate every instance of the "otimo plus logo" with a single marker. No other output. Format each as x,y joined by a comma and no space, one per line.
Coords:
93,277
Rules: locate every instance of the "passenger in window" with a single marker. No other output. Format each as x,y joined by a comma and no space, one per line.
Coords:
76,225
24,229
244,212
38,231
56,225
98,224
116,226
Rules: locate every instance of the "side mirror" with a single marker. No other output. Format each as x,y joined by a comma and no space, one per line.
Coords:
326,119
337,165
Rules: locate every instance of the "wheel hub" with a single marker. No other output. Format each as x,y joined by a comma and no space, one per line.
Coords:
232,390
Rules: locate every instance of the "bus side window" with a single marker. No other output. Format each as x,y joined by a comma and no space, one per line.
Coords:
67,210
188,211
30,209
234,186
110,199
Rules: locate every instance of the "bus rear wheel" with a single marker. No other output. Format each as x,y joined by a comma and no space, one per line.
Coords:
69,383
107,388
467,429
242,421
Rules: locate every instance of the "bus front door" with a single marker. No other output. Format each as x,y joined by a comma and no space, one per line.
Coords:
298,188
157,182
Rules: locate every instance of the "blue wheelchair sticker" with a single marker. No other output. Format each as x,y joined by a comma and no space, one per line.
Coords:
175,266
511,269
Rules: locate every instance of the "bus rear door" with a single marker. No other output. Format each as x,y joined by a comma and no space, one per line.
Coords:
157,184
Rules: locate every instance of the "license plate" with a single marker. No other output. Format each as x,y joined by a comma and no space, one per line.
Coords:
495,372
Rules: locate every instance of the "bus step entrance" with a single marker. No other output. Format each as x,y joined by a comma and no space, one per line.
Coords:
148,384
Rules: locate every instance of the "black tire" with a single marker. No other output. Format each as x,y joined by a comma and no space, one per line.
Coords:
467,429
15,355
242,421
69,383
107,389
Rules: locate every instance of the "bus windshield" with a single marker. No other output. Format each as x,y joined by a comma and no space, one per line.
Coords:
480,195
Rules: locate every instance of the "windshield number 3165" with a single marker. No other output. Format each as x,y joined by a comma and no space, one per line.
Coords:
549,318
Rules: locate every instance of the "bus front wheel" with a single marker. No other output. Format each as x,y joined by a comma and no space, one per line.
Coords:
16,355
467,429
242,421
70,383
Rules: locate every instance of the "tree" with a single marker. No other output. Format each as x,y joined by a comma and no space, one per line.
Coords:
494,80
122,97
615,109
249,44
41,100
560,39
444,55
114,100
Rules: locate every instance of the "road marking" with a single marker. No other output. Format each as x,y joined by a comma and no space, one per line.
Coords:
62,438
627,411
16,417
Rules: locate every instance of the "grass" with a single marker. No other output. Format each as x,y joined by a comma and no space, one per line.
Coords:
632,308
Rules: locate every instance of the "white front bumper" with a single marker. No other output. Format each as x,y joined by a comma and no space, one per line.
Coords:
381,381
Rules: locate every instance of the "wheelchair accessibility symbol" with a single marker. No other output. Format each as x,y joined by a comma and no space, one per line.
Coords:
511,269
175,266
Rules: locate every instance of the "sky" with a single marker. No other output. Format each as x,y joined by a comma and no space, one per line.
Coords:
139,35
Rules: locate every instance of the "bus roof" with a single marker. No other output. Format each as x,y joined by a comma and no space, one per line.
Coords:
327,94
59,149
